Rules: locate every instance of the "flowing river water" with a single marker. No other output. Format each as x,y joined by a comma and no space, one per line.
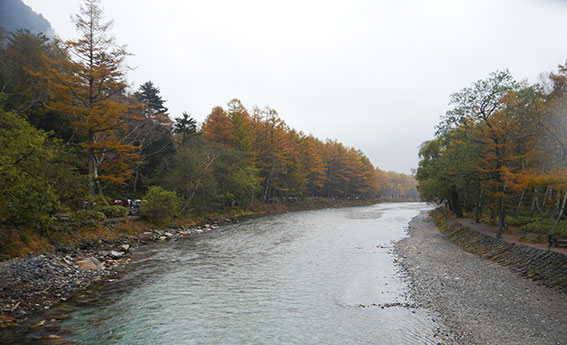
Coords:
313,277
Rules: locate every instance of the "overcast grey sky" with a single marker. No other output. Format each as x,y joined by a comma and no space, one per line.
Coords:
376,75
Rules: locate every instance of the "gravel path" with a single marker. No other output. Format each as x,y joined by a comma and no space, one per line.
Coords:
482,302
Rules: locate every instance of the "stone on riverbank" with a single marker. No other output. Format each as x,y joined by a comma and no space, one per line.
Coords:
89,263
115,255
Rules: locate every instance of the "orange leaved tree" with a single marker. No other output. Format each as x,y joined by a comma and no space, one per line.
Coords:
85,85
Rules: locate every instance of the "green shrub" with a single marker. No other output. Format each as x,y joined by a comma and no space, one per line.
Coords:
160,206
88,217
521,220
112,211
544,226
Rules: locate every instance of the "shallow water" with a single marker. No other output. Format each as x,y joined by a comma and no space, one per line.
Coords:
315,277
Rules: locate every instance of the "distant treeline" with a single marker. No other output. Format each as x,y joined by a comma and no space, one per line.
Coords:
72,133
502,148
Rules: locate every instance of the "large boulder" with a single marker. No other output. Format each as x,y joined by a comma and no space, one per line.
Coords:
89,263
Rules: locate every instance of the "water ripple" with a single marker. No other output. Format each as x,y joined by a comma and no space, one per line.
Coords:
302,278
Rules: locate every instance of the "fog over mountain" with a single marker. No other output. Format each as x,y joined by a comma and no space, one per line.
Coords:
15,15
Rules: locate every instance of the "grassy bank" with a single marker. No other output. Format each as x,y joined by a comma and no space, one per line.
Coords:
532,228
441,216
21,241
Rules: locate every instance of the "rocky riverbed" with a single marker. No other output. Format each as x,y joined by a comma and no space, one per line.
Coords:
32,285
481,301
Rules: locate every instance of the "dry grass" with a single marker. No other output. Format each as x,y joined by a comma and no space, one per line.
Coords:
441,216
21,242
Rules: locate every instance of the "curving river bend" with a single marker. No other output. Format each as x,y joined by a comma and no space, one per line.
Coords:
314,277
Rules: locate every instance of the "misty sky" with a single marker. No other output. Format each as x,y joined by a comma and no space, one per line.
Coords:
376,75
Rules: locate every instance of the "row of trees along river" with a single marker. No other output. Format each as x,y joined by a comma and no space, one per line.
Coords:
72,129
502,148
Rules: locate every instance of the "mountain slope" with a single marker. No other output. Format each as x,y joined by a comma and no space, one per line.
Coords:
15,15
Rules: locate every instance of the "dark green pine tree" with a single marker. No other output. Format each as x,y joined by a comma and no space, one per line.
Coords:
150,95
186,126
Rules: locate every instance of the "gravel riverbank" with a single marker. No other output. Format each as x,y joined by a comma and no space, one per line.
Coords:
480,301
31,285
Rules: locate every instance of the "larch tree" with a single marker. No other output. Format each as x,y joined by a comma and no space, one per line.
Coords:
312,161
335,166
241,138
217,127
85,86
474,109
518,133
552,123
276,155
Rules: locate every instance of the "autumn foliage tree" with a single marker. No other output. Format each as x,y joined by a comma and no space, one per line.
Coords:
85,86
290,163
396,186
312,163
503,144
552,143
478,109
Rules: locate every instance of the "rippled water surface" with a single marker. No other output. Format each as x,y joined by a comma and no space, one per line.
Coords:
296,278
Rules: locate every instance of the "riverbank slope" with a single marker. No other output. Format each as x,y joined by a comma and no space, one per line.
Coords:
481,301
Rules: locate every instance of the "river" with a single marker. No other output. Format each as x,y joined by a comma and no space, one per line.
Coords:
313,277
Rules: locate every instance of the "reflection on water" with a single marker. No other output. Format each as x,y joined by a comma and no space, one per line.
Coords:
317,277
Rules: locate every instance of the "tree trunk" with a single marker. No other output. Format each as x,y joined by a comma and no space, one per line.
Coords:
478,212
91,164
559,215
211,160
478,208
501,217
546,196
330,179
534,202
454,202
100,193
136,180
559,207
519,204
268,180
466,196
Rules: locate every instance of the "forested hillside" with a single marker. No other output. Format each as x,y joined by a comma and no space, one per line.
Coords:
15,15
75,136
501,152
